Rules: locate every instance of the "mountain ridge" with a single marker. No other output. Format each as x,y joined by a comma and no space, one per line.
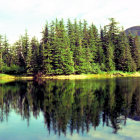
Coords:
134,30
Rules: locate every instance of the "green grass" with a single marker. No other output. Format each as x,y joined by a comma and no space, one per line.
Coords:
8,78
4,78
1,74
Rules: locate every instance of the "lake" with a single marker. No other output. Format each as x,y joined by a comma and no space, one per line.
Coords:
101,109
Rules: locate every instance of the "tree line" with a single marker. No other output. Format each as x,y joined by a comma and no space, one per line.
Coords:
71,48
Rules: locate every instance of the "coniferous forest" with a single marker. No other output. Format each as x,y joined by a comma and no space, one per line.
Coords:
71,48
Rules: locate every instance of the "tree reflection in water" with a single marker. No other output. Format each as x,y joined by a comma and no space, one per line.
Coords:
73,104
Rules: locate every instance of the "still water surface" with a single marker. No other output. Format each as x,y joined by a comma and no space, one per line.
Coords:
107,109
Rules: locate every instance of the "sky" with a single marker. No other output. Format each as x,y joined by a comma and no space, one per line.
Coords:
18,15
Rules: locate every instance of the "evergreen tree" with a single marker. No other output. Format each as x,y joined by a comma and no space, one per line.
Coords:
136,51
6,55
96,48
131,40
110,65
112,40
126,62
29,67
47,52
78,55
71,35
25,49
86,49
62,56
93,41
35,55
19,58
1,50
102,50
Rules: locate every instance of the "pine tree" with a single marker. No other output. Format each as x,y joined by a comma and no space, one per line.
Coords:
110,65
108,49
47,61
78,55
25,44
131,40
96,48
35,55
29,67
136,51
86,49
19,57
6,55
25,49
71,35
62,56
93,41
112,37
47,51
126,62
102,55
1,52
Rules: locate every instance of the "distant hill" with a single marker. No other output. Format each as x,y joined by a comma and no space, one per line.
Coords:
134,30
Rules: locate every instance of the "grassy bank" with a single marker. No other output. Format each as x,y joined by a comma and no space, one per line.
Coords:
5,77
90,76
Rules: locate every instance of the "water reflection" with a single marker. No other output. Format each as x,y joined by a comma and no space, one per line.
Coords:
69,106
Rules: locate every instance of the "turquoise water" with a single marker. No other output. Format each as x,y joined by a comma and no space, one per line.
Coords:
70,110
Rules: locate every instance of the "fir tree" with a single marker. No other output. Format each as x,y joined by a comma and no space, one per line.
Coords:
79,59
110,65
1,50
62,56
126,62
93,41
47,52
25,49
29,67
35,55
112,37
136,51
86,49
20,60
71,35
6,55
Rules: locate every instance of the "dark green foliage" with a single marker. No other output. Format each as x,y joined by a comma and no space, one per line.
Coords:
47,51
13,69
6,55
62,56
29,66
126,62
34,55
25,45
109,38
1,53
47,63
136,52
78,51
19,57
110,65
72,49
93,42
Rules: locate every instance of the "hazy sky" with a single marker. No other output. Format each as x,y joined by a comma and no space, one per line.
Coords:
18,15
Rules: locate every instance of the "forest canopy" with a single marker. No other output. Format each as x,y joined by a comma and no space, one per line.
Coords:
71,48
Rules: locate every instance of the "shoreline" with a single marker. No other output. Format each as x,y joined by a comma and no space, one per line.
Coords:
6,78
91,76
